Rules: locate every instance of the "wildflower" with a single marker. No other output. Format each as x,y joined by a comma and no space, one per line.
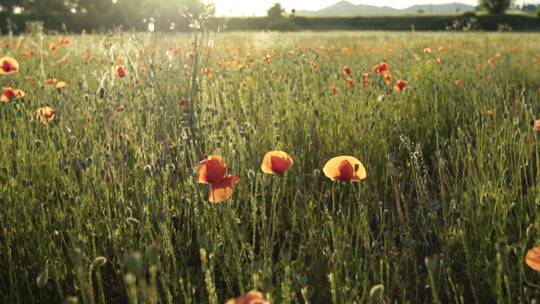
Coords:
400,85
492,62
381,68
252,297
387,78
532,258
490,114
120,108
28,53
350,81
64,41
213,171
365,79
346,70
222,190
54,47
182,103
344,168
60,85
458,83
334,90
427,50
8,66
536,125
120,71
51,81
45,114
208,72
10,94
276,162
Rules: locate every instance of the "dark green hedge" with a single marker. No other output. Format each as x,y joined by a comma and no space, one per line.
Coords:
77,23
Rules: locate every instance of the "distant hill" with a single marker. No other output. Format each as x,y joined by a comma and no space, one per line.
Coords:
347,8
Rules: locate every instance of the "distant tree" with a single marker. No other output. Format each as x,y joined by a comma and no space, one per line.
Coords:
276,11
495,7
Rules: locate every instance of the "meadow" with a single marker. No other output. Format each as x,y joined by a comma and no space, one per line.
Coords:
101,199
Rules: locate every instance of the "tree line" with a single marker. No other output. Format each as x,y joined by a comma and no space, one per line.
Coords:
78,15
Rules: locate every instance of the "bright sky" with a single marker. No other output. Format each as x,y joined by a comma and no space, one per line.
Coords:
259,7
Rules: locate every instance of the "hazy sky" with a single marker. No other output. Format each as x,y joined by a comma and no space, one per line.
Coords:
259,7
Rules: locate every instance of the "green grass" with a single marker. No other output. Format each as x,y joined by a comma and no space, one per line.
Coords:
104,206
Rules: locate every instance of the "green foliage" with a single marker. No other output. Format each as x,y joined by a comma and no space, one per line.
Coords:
101,204
96,14
495,7
276,11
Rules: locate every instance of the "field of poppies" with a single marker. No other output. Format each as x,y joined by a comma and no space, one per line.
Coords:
254,168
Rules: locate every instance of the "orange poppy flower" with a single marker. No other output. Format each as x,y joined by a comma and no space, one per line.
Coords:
182,103
60,85
536,125
532,258
387,78
427,50
120,71
252,297
208,72
365,79
222,190
51,81
492,62
400,85
350,81
458,83
212,170
276,162
10,94
490,114
28,53
54,47
45,115
344,168
381,68
64,41
334,90
346,70
8,66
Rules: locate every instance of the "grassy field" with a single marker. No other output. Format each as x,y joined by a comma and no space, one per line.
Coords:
100,202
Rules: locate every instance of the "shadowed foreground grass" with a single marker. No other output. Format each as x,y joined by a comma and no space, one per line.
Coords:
102,203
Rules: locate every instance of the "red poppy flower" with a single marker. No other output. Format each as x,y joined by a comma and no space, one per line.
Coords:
252,297
8,66
346,70
222,190
276,162
532,258
10,94
212,170
536,125
401,85
381,68
344,168
120,71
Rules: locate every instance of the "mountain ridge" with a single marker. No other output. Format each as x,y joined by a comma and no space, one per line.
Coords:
347,8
